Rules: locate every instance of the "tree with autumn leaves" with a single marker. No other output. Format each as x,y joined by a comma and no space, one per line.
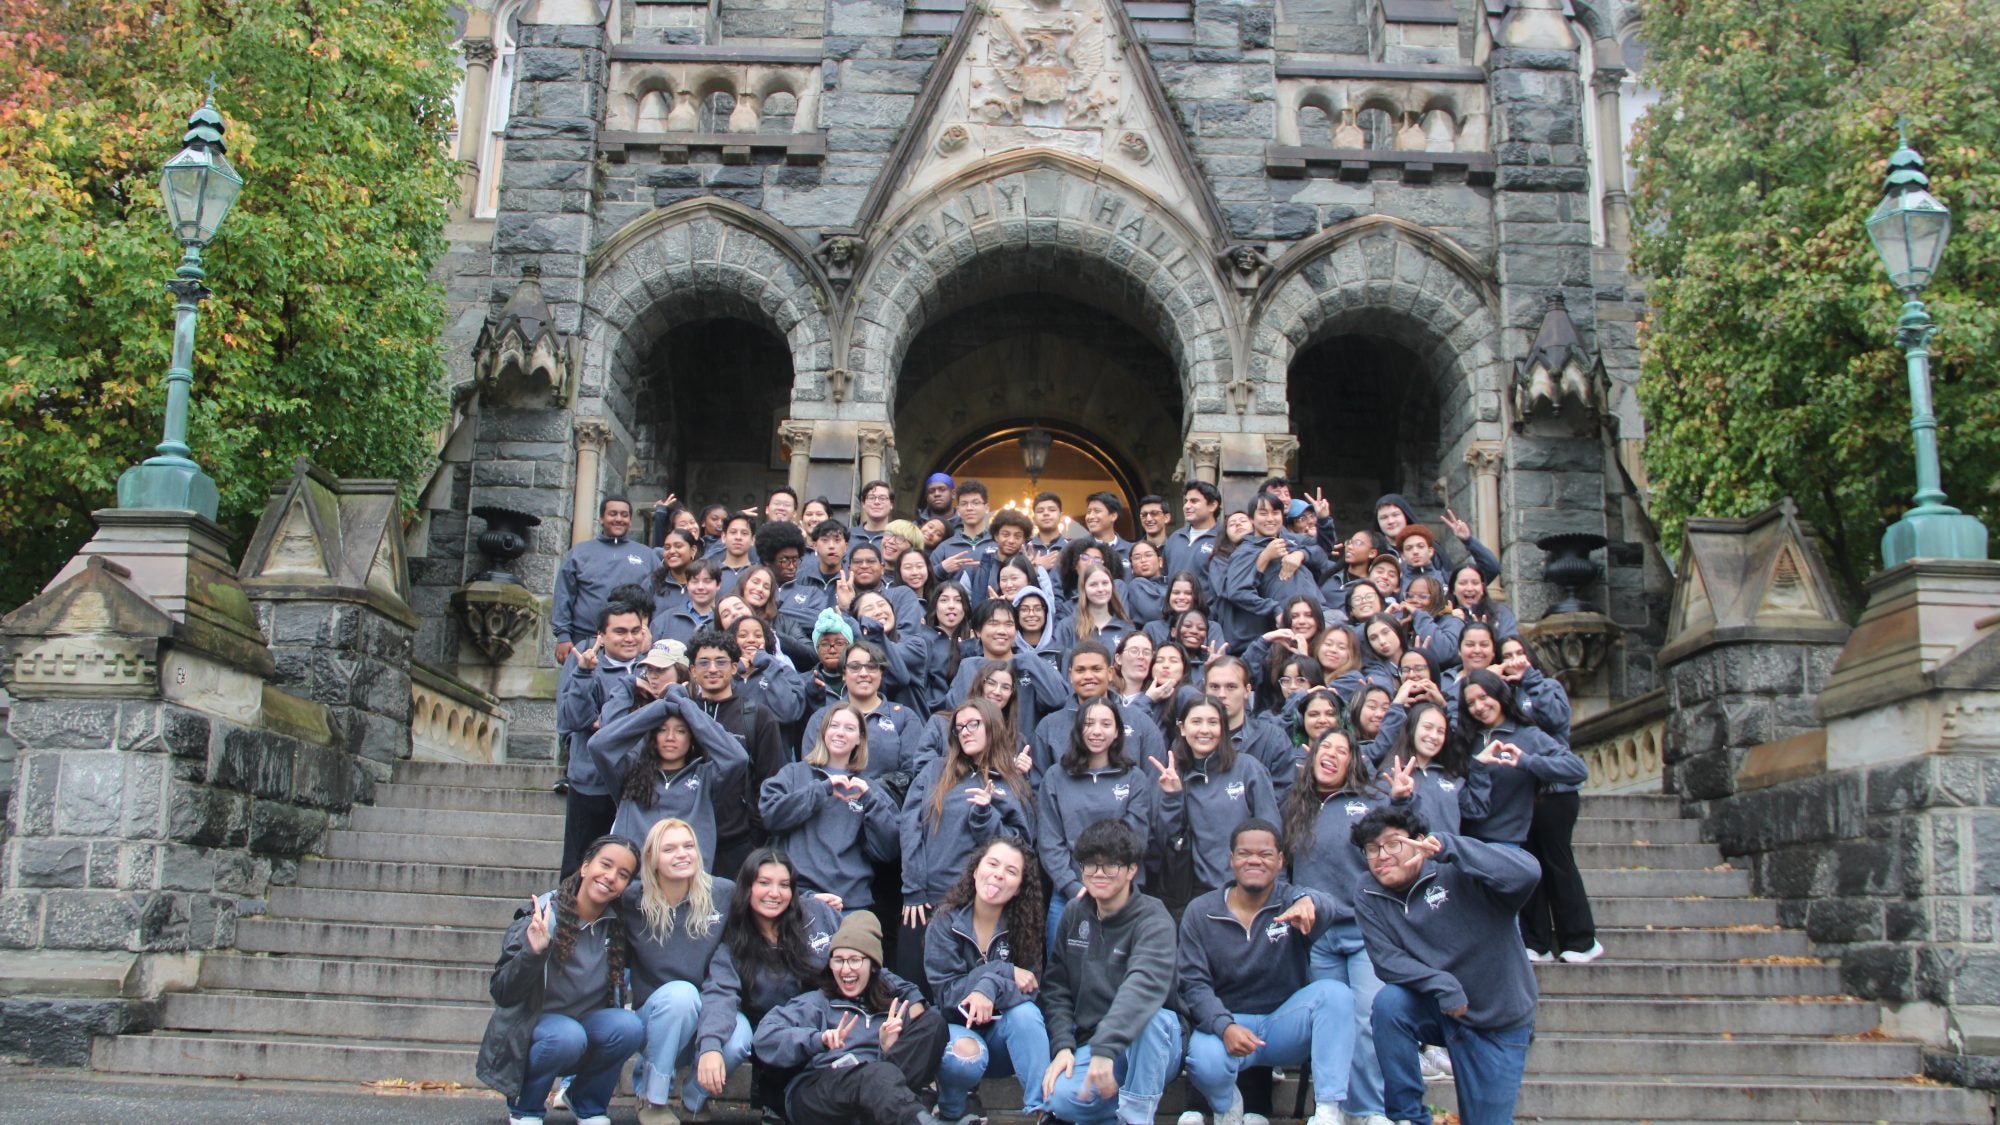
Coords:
322,337
1769,359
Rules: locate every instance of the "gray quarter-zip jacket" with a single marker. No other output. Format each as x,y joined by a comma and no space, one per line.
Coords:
1511,806
1226,968
584,581
1213,804
835,842
1066,804
672,955
1333,865
1452,935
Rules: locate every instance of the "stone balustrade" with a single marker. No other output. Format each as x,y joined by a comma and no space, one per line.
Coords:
1419,114
1624,746
664,90
451,721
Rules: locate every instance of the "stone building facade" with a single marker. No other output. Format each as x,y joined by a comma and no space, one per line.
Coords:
709,247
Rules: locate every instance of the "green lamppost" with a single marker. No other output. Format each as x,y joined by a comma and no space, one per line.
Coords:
199,187
1909,229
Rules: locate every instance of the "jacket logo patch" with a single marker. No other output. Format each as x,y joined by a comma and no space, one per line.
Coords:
1274,932
884,724
1121,791
819,941
1357,809
1235,790
855,804
1436,897
694,783
1081,939
1447,785
635,560
1000,952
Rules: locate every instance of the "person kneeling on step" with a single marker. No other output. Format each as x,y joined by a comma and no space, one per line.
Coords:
1247,985
1440,925
865,1055
560,993
1104,997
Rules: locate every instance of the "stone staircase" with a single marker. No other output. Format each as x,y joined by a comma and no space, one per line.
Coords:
374,967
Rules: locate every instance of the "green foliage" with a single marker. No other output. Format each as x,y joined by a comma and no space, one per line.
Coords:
1770,365
321,339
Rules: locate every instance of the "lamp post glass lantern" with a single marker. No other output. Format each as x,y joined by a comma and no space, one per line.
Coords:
1909,229
1035,446
198,187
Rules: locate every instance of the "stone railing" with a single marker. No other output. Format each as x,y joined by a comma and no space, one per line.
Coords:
1415,118
1624,747
452,721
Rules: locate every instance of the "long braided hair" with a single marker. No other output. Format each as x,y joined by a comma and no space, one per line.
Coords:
562,944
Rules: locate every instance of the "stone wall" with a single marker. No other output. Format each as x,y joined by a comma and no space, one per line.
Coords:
1726,701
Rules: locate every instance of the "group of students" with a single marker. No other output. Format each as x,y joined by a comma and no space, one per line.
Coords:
1307,799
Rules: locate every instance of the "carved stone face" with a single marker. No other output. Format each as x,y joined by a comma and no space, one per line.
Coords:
840,251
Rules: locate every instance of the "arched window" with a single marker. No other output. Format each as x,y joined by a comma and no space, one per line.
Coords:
499,101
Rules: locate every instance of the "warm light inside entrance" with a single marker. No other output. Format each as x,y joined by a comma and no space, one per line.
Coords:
1074,471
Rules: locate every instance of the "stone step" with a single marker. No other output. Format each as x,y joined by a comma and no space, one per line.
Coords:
1628,830
425,878
1660,978
1650,805
391,908
539,777
1629,1098
448,825
1666,884
1649,857
1556,1055
240,1012
410,847
293,1059
1683,912
468,798
315,976
1640,1016
452,945
1703,945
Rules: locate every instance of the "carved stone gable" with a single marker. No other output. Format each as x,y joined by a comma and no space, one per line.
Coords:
1063,75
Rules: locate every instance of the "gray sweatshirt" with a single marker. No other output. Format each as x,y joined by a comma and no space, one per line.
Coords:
835,842
584,581
1226,968
1511,805
1333,865
1069,803
1208,808
1452,935
1051,740
1110,976
672,955
724,992
957,967
934,855
580,703
895,733
716,763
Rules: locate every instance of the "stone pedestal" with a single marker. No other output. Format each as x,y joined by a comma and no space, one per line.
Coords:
161,783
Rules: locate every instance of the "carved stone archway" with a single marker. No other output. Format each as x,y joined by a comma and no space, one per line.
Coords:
1047,223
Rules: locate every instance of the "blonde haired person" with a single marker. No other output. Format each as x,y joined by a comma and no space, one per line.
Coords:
835,824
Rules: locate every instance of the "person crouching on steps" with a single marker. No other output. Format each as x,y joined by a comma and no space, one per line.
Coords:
864,1055
560,991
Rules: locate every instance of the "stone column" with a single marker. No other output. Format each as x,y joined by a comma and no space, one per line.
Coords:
592,434
1279,452
478,53
1204,459
798,437
1605,84
1484,457
876,441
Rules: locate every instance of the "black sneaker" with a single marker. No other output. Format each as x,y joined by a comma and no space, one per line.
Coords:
561,787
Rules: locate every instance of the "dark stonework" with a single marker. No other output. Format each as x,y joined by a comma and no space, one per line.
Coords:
58,1032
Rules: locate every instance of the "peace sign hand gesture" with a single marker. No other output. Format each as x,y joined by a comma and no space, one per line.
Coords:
1458,526
1402,779
892,1028
982,796
1170,778
835,1037
541,925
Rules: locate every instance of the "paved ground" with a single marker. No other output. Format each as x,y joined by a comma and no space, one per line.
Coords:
74,1097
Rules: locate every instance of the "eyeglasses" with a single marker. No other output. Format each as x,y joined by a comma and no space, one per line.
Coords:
1392,848
970,725
862,666
1099,870
714,662
847,962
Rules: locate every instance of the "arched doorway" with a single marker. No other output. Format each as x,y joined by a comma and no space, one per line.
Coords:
976,378
1367,419
707,402
1078,465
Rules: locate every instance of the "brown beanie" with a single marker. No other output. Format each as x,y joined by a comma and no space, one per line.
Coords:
861,933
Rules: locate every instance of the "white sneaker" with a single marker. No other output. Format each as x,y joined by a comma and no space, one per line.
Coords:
1436,1063
598,1119
1188,1117
1234,1114
1584,957
513,1120
1327,1115
1538,957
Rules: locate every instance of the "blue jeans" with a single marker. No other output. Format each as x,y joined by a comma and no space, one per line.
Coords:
1341,955
1486,1064
1016,1042
1142,1072
594,1049
1317,1022
671,1014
